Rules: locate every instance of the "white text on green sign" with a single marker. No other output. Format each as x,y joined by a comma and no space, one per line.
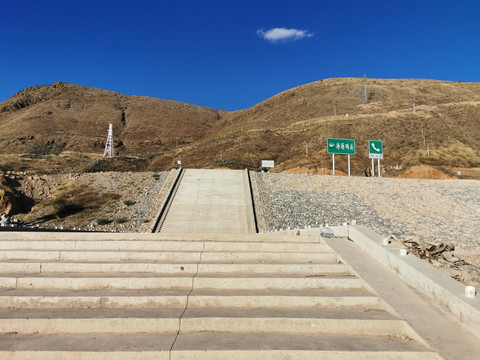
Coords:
375,149
341,146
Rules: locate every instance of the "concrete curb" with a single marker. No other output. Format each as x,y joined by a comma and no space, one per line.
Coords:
250,206
444,291
164,197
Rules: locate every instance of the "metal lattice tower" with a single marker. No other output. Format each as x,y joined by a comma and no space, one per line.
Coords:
109,145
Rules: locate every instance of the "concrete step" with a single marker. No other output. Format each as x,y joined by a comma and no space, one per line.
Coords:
278,300
211,346
174,256
205,312
223,320
33,267
171,298
285,257
297,346
137,281
210,324
142,297
158,237
166,245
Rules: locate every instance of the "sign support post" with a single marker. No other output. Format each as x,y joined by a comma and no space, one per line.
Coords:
342,147
378,166
373,168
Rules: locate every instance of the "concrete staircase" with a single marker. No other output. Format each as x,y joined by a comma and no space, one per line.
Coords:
154,296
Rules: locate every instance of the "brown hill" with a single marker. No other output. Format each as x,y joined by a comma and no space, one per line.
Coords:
444,130
64,126
78,117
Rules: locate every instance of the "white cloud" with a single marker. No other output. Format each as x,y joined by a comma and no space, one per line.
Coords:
276,35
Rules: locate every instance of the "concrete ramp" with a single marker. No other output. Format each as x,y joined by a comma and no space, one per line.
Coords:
211,201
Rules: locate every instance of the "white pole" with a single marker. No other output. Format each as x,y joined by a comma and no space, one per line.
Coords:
333,161
378,165
373,167
348,164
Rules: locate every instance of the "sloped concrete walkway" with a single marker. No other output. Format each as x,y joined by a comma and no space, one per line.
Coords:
211,201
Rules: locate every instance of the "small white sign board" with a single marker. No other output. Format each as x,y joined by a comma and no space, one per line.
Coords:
179,162
268,163
375,156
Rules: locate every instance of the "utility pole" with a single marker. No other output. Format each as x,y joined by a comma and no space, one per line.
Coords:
109,145
365,98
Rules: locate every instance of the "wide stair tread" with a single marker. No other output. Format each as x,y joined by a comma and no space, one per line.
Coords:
212,346
91,281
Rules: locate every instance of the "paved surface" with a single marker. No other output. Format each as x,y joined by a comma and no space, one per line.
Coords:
440,331
210,201
215,296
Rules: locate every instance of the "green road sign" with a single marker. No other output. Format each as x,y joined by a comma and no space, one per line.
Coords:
375,149
341,146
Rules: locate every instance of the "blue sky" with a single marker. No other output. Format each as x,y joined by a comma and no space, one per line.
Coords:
232,54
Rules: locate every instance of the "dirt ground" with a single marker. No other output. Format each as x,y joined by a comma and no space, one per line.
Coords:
425,172
323,171
415,172
105,201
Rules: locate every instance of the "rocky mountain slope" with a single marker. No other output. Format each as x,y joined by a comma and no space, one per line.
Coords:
78,116
63,127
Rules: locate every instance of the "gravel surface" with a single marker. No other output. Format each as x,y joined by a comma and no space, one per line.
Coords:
428,210
140,188
138,198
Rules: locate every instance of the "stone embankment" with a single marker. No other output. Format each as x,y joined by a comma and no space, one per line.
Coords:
427,211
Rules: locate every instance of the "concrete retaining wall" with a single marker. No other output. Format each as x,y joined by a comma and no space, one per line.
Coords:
444,291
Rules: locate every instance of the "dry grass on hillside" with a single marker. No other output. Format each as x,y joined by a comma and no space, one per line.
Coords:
58,126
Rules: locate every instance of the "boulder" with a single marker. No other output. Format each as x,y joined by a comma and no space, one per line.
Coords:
12,201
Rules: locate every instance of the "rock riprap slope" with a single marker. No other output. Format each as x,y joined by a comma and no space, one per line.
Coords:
430,211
